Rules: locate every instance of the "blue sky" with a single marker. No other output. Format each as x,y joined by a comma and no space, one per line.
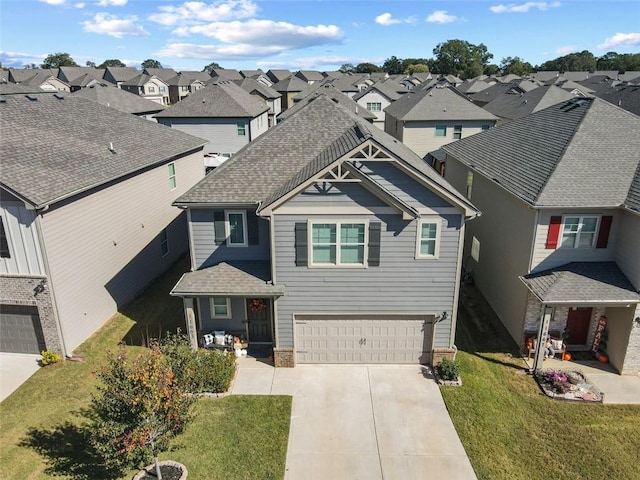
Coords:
295,34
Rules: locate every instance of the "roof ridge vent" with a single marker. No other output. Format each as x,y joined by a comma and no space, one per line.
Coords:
33,98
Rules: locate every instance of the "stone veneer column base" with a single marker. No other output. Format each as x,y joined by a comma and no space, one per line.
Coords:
440,353
284,357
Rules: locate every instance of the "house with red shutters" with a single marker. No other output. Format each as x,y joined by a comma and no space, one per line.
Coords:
558,242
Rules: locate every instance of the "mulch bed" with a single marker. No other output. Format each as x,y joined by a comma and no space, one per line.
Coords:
571,385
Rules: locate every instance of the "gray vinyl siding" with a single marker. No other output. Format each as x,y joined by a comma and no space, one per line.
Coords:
207,253
403,186
222,133
336,195
104,247
22,238
257,126
393,126
627,246
401,284
234,324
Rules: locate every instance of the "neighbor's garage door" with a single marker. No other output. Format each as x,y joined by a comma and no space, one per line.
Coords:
20,330
363,339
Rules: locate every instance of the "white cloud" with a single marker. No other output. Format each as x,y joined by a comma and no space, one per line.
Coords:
386,19
523,7
566,50
53,2
79,5
621,39
441,16
278,35
197,13
190,50
317,63
115,26
112,3
19,59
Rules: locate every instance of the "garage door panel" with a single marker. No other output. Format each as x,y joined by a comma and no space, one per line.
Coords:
20,330
358,339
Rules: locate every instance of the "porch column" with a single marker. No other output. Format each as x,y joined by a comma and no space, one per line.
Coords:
546,312
190,318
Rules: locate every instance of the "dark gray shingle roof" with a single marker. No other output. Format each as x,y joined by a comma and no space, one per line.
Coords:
582,282
517,105
220,100
578,153
121,74
290,84
230,279
57,146
337,96
109,95
436,103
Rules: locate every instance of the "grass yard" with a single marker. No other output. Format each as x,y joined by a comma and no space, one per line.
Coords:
41,429
511,430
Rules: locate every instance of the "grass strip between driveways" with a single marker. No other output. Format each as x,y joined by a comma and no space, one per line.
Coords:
41,424
511,430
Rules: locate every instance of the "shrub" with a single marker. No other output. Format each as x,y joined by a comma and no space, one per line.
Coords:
49,357
448,369
138,408
198,371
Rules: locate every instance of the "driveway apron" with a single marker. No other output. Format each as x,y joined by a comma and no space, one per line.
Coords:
364,422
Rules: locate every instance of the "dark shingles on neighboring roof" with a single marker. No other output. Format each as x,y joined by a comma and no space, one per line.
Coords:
517,105
18,88
233,278
217,100
578,153
290,84
436,103
121,74
329,91
580,282
53,148
251,85
109,95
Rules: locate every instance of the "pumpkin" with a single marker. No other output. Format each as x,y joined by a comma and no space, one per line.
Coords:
566,356
603,358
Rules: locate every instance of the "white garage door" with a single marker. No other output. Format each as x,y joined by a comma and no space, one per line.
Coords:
363,338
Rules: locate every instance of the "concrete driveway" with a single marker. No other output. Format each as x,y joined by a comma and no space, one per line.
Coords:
15,369
362,422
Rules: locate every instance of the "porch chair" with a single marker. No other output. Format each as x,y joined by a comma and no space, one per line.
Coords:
559,347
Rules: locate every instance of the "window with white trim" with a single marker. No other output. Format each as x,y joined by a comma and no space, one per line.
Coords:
579,231
338,243
441,130
457,132
172,176
236,228
164,242
220,307
241,128
152,89
428,238
374,106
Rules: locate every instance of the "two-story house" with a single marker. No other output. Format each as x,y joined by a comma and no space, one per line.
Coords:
111,96
378,97
559,236
86,220
426,119
149,87
267,94
222,113
328,240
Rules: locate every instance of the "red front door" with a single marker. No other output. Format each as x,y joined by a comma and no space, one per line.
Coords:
578,325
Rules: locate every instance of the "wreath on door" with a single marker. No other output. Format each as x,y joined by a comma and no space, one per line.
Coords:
258,305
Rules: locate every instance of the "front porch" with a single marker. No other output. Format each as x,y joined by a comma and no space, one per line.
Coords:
231,306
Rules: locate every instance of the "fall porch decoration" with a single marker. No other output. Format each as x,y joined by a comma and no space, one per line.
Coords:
257,305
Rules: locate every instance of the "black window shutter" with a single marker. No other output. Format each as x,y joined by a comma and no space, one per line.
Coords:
301,244
218,223
254,229
374,243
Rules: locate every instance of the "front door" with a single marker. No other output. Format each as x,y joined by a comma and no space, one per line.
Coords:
578,322
259,320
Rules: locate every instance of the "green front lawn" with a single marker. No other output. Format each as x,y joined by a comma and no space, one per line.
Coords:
41,424
511,430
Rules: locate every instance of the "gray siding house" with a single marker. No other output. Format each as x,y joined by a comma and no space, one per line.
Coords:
86,219
558,243
329,241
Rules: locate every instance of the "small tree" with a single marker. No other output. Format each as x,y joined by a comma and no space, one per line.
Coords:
151,63
138,408
209,68
111,62
55,60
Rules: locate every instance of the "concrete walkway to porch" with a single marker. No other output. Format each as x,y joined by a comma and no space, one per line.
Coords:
617,389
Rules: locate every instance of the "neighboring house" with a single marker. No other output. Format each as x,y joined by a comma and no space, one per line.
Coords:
267,94
222,113
474,86
44,80
17,89
70,74
85,215
559,234
629,76
111,96
624,95
309,76
575,76
163,74
149,87
328,90
21,75
289,88
545,75
484,96
225,74
378,97
328,240
424,120
119,75
513,105
185,83
278,75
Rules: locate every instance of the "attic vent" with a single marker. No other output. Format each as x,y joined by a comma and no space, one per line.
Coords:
33,98
3,100
59,96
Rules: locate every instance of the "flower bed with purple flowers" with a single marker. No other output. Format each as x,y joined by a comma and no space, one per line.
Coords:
572,385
